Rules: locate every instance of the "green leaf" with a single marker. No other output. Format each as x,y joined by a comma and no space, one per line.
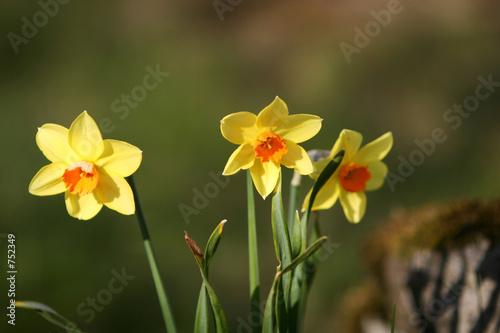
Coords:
282,244
49,314
281,308
270,310
324,176
293,198
393,317
202,318
280,229
253,256
219,316
212,244
312,263
300,285
304,255
302,277
201,260
296,235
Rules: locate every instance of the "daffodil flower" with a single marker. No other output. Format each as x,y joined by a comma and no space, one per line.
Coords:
89,170
361,170
268,140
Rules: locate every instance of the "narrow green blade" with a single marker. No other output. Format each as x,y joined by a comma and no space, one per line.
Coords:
296,235
270,314
293,198
253,257
304,255
212,244
300,285
49,314
202,319
324,177
219,316
393,317
282,246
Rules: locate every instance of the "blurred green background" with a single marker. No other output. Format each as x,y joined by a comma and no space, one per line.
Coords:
420,61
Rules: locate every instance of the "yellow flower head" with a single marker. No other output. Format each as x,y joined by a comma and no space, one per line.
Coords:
361,170
267,141
89,170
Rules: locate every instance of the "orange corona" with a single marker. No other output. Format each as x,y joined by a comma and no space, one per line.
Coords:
353,177
81,178
270,147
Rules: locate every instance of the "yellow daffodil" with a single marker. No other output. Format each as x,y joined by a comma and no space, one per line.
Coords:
89,170
268,140
361,170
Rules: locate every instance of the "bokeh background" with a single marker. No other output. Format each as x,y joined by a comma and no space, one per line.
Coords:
426,57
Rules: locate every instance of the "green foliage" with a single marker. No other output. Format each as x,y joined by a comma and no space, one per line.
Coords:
202,317
49,314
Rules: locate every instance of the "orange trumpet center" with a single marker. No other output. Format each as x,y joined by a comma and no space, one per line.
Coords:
81,178
353,177
270,147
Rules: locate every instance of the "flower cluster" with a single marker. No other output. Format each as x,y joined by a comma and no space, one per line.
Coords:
271,138
90,170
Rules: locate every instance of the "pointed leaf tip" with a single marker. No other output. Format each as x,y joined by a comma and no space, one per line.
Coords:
222,223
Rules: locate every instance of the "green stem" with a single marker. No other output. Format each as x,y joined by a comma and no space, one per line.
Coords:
160,290
253,256
393,317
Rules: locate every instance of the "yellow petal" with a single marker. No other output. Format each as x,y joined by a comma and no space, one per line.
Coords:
82,207
297,158
115,193
48,181
52,140
375,150
327,195
354,204
120,157
241,158
299,127
350,141
272,115
85,138
378,170
265,176
239,127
